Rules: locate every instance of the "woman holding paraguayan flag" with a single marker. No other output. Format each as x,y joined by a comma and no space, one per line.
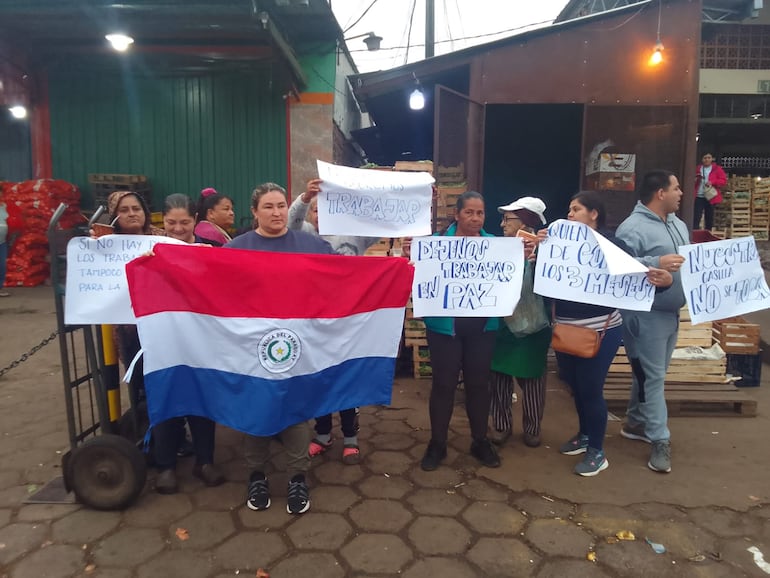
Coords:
271,213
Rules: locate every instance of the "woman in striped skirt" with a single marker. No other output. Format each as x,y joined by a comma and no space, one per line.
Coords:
522,358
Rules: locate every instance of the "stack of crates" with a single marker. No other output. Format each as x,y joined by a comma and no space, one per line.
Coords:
760,210
732,217
415,337
451,183
102,185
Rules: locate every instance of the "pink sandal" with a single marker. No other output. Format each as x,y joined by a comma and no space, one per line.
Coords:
316,447
351,455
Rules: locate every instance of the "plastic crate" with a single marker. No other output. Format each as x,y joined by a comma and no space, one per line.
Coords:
748,367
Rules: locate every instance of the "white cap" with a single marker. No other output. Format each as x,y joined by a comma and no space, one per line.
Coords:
532,204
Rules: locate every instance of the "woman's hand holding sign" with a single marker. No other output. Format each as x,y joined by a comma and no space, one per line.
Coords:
313,188
659,277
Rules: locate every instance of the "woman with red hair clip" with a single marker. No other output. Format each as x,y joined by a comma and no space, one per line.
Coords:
215,216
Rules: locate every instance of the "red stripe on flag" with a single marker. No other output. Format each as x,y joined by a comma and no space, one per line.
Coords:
241,283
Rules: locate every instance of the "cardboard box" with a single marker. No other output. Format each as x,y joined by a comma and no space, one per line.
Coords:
612,163
605,181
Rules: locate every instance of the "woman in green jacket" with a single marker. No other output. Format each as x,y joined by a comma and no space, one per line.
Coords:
462,343
520,357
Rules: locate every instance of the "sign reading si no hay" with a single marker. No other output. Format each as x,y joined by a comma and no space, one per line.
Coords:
97,289
466,276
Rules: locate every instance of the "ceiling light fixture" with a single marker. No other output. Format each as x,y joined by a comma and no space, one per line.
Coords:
18,111
120,42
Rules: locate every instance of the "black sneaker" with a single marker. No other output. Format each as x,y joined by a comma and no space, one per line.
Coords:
259,492
435,452
484,451
298,497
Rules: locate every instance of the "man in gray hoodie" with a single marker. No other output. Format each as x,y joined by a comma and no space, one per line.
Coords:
653,234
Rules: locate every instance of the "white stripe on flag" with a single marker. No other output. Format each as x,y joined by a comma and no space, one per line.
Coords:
231,344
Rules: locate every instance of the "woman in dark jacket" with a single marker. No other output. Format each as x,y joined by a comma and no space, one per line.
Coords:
586,376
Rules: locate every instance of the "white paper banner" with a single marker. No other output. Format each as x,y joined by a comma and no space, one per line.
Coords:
370,203
97,289
723,278
575,263
466,276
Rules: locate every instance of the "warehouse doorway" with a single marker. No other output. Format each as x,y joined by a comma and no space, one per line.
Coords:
531,149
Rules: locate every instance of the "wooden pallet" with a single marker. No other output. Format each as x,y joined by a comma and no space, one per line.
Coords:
679,370
414,166
112,179
451,174
683,400
693,335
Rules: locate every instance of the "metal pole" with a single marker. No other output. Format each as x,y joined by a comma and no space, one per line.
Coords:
430,28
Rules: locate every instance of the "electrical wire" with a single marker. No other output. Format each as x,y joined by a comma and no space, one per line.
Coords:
409,35
459,18
448,28
464,37
360,17
626,21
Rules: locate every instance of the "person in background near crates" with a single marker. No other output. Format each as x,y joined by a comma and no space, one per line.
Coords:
3,244
708,184
303,215
521,356
586,376
215,216
271,212
455,344
653,234
179,223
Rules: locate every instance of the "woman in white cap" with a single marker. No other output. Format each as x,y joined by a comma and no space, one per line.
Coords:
521,355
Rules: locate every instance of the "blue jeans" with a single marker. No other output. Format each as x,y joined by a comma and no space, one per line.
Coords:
650,338
586,378
3,258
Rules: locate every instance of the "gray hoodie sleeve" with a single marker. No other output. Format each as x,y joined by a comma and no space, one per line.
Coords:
297,213
632,237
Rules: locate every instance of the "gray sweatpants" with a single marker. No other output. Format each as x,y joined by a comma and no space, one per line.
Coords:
295,440
649,338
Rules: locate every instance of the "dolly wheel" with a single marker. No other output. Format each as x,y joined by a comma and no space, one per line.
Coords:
107,472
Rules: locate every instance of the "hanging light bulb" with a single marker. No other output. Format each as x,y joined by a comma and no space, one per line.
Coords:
657,54
417,99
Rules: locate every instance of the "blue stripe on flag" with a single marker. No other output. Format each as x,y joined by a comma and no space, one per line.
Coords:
262,406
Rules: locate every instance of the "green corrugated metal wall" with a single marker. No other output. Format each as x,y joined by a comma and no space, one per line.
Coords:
184,133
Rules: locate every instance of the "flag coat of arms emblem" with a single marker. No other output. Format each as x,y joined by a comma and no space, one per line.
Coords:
260,341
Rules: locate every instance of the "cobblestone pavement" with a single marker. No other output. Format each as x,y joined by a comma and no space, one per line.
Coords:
386,517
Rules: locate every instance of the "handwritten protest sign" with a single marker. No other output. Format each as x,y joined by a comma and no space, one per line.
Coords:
97,290
368,203
466,276
723,278
575,263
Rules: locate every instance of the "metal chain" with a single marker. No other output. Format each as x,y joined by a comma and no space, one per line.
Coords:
29,353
